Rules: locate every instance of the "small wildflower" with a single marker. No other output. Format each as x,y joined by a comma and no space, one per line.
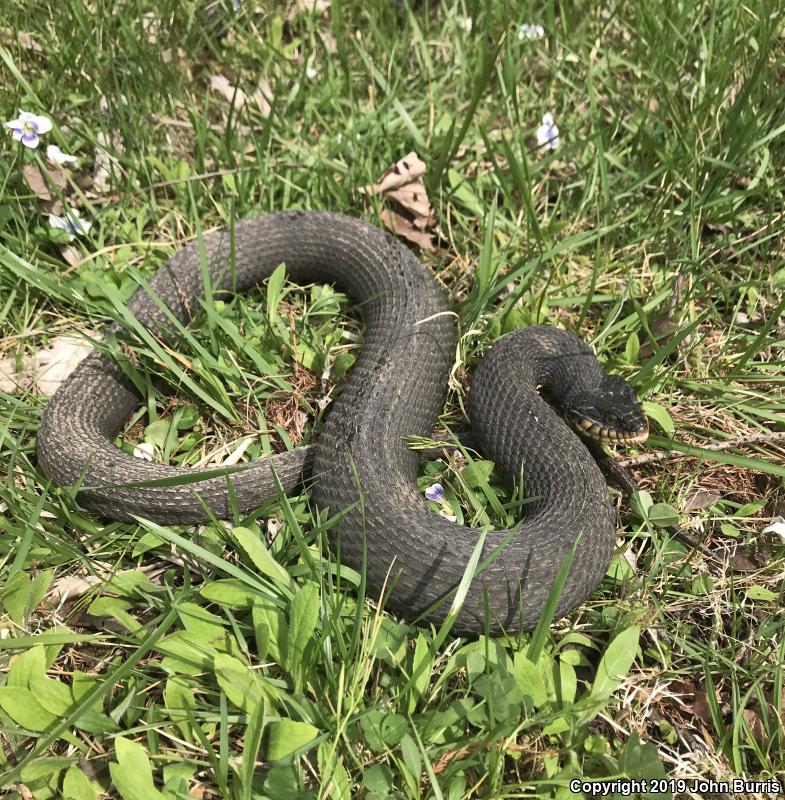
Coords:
58,157
310,72
72,224
464,23
548,133
435,492
27,128
777,526
236,5
527,31
144,451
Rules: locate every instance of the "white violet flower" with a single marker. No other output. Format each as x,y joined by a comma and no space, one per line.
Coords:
58,157
144,451
548,133
72,224
527,31
435,492
27,128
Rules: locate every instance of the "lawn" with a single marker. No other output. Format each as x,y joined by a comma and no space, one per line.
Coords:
142,661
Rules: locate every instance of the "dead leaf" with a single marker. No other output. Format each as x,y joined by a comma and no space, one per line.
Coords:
25,40
743,563
220,84
701,707
105,162
38,182
403,227
297,7
71,255
71,587
263,97
409,212
54,364
700,498
409,169
664,326
49,367
756,724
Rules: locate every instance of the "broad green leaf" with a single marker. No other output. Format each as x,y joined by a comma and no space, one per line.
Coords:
378,780
382,730
132,775
179,699
157,432
27,667
254,548
54,696
335,782
252,742
477,473
565,682
23,707
640,760
632,348
662,515
302,625
411,757
342,364
615,663
287,736
202,624
271,630
530,680
757,592
274,294
422,666
77,786
238,682
660,415
229,593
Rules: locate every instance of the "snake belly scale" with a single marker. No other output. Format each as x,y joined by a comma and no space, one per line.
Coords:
396,389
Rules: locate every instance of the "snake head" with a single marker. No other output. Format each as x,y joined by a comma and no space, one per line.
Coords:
610,412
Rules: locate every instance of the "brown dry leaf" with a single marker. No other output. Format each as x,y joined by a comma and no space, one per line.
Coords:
403,227
38,182
263,97
49,367
409,212
71,587
743,563
700,498
24,792
407,170
297,7
756,724
701,707
54,364
25,40
664,326
220,84
71,255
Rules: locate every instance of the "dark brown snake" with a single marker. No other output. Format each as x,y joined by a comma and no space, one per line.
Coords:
396,390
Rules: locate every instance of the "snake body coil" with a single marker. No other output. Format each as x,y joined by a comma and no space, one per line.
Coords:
396,389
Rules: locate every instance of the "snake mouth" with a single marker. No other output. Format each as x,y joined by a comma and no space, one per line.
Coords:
596,430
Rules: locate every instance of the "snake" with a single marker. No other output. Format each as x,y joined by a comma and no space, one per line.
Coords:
534,396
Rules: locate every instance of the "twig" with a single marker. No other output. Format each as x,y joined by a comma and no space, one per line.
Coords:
771,437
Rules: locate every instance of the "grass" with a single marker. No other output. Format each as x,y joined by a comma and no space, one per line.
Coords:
189,663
